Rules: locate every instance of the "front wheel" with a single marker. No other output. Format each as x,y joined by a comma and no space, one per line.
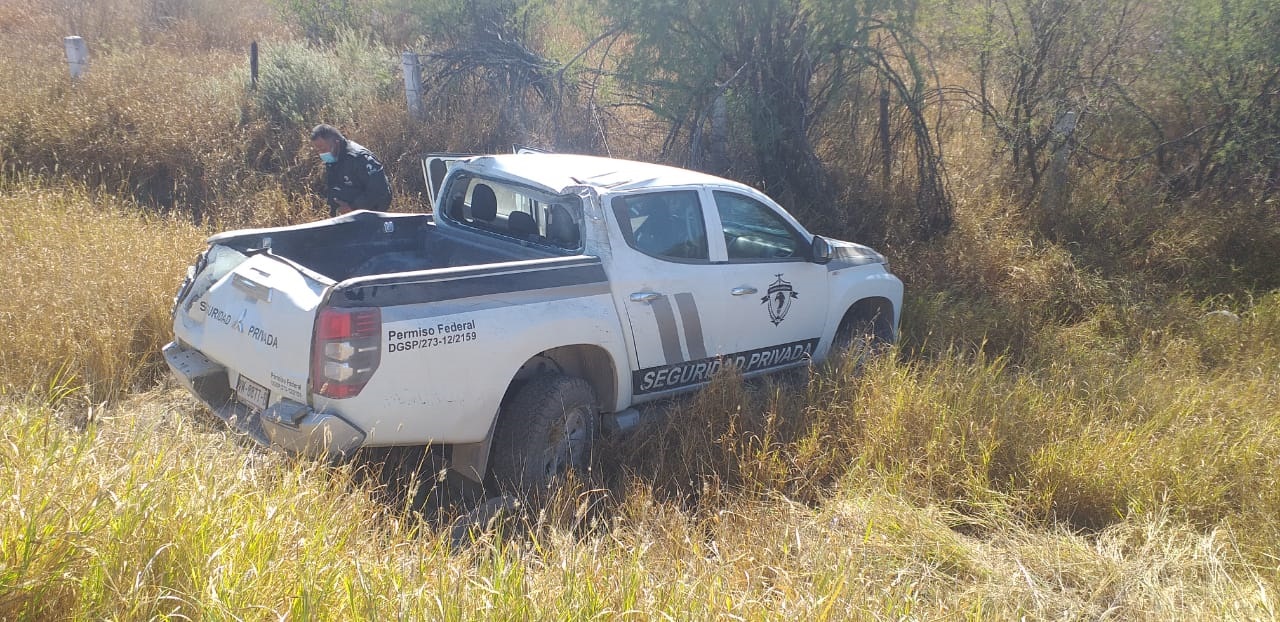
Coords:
861,336
546,430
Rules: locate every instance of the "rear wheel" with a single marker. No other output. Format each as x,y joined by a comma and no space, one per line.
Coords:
546,431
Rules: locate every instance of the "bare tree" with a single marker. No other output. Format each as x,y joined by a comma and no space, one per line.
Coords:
1040,61
781,65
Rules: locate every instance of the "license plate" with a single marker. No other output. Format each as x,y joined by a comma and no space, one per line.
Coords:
252,394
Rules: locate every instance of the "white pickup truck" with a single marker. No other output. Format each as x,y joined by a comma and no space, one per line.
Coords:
546,294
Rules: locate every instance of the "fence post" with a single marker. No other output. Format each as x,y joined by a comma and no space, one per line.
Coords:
77,55
412,82
720,135
253,65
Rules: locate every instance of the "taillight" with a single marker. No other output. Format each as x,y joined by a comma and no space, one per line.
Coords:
346,350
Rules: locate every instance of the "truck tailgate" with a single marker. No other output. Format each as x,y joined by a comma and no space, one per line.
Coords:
256,321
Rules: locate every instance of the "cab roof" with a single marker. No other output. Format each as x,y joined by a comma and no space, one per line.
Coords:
558,172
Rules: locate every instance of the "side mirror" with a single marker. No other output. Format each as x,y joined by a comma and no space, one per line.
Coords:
820,250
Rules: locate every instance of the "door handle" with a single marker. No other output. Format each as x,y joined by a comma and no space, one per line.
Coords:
645,296
743,291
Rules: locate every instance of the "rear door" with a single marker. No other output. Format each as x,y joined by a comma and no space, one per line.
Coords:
257,322
664,277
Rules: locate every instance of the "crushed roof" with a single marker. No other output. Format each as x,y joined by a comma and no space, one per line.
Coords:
557,172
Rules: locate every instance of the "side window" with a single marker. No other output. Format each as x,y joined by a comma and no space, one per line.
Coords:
666,225
755,232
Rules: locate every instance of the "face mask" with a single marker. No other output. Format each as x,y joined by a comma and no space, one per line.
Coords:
328,158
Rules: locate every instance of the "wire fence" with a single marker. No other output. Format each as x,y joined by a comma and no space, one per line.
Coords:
32,49
39,51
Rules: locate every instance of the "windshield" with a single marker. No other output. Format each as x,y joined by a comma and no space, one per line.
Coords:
514,211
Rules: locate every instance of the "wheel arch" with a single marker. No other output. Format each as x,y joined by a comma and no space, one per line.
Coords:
876,311
590,362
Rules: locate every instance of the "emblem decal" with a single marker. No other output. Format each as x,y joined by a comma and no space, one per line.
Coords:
779,300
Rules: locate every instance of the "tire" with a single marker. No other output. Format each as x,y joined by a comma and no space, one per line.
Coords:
545,431
860,337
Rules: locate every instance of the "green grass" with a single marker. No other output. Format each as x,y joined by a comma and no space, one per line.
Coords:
150,509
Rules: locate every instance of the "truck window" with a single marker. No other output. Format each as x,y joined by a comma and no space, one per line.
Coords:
514,211
755,232
666,225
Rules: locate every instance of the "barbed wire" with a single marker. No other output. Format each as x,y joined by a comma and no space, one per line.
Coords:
30,61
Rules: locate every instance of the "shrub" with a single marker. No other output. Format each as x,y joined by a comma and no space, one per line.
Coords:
299,84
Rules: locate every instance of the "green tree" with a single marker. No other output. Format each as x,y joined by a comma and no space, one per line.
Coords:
1214,101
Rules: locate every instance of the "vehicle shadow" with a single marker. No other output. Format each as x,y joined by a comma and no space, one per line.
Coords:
679,449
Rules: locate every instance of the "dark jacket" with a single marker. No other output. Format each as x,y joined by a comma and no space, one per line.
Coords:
357,178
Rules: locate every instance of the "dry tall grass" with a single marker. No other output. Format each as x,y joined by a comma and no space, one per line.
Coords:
1071,428
144,511
86,290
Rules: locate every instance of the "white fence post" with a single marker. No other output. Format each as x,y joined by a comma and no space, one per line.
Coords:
412,82
77,55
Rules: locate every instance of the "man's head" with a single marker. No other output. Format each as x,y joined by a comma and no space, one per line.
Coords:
327,141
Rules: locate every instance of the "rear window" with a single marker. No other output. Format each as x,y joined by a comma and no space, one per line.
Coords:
514,211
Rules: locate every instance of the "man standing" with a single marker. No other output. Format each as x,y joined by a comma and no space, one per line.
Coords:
353,177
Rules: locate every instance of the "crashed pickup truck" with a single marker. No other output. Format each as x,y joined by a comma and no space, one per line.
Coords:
544,298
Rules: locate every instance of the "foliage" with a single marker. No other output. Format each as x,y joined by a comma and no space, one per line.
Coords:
1214,112
320,20
1038,61
778,66
497,60
493,62
138,125
457,21
1177,95
299,84
105,24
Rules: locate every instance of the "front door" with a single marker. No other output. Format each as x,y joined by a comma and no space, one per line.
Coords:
774,298
665,280
695,306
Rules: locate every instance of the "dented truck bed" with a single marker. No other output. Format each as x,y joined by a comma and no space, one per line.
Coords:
279,330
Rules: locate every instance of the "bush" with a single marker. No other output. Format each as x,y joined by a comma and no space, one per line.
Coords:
299,84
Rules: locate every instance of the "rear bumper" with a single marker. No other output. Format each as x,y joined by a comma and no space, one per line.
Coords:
289,425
